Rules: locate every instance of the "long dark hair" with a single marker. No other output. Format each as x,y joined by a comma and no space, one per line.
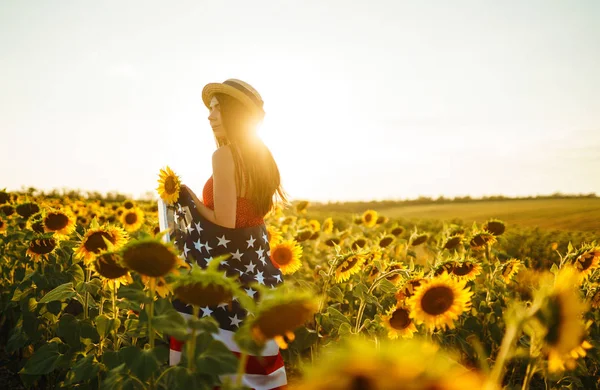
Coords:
254,164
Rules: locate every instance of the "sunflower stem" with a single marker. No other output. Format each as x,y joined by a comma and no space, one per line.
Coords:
192,345
241,369
363,303
114,310
531,369
151,312
88,276
505,347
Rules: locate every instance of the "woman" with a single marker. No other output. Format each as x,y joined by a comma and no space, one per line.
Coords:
243,188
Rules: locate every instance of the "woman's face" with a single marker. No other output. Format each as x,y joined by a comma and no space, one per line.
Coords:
214,118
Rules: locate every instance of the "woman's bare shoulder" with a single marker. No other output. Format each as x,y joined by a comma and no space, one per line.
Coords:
223,157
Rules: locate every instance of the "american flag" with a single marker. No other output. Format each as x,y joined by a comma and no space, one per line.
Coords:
201,241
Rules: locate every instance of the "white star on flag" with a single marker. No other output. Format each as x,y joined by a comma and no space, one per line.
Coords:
208,260
251,242
198,245
223,241
222,306
278,277
206,311
260,278
185,250
224,262
190,228
263,261
265,238
250,267
198,227
260,252
237,255
235,321
250,292
208,248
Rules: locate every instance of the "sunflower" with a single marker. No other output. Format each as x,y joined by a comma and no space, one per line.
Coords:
333,241
386,240
279,314
595,301
304,235
93,241
356,363
398,323
169,185
587,262
4,197
128,204
494,226
359,243
444,268
302,206
381,219
420,239
108,265
453,242
61,223
27,209
151,257
327,227
132,219
7,209
466,270
348,266
479,240
369,218
438,302
394,278
286,255
3,226
569,360
408,289
398,230
510,269
41,248
557,322
314,225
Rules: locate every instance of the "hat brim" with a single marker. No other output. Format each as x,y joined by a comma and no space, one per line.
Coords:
211,89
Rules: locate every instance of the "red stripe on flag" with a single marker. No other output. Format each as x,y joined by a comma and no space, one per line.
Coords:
175,344
262,365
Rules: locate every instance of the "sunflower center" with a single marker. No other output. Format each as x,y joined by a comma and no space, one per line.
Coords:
554,323
283,256
107,266
26,210
507,270
56,221
8,210
586,261
150,258
462,269
95,242
400,319
170,185
385,242
42,247
349,263
128,204
131,218
368,218
437,300
361,382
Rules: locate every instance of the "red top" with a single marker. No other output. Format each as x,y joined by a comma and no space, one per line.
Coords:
245,215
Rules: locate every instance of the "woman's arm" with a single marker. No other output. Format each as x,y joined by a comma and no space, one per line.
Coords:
200,206
224,188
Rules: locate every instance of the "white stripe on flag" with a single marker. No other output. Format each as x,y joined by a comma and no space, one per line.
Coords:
226,336
261,382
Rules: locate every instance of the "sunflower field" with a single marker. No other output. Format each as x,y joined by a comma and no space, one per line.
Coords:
368,302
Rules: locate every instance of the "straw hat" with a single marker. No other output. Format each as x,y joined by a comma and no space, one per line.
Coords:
237,89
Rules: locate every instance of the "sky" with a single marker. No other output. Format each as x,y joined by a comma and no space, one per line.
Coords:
365,100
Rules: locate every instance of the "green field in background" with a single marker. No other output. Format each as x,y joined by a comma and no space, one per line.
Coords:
559,214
